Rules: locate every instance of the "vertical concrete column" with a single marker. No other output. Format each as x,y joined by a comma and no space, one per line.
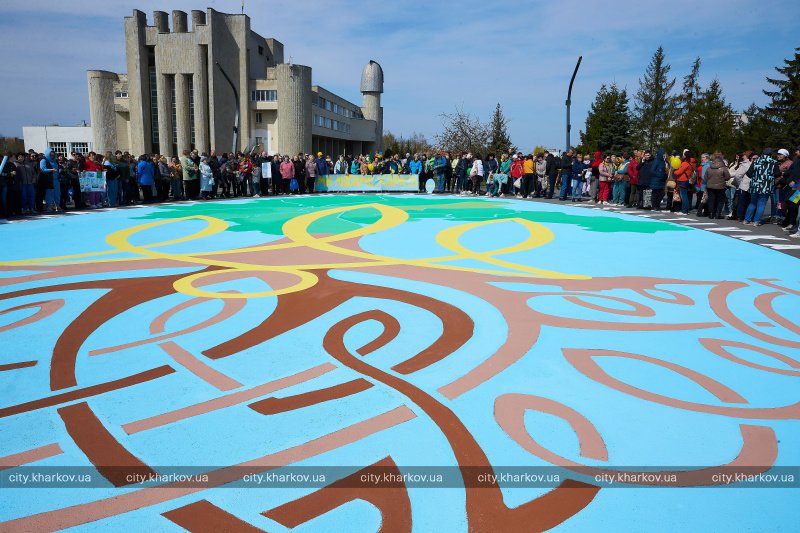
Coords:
164,114
180,23
294,108
101,110
161,21
182,113
201,98
198,18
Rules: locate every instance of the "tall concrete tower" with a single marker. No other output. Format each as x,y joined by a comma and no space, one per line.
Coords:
101,109
371,88
294,108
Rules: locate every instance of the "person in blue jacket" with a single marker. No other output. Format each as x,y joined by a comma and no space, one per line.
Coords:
415,165
146,175
577,178
49,175
658,179
322,165
439,169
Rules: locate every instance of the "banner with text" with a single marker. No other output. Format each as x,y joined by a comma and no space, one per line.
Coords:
357,182
93,181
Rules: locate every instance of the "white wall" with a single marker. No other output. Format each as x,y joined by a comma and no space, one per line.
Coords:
39,137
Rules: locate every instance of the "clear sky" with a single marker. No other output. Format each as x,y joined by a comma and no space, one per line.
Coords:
435,55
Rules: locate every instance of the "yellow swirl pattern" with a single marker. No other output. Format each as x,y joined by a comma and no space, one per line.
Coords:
297,232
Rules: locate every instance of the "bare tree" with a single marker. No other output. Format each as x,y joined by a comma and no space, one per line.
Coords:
463,133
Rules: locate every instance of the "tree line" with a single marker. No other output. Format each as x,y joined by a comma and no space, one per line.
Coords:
694,117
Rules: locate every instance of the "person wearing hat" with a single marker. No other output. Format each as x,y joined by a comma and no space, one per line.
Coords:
322,165
782,189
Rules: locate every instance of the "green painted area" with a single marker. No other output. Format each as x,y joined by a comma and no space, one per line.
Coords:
268,216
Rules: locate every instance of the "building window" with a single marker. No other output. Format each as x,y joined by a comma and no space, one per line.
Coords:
259,140
80,148
59,148
261,50
153,107
259,118
174,105
263,96
120,94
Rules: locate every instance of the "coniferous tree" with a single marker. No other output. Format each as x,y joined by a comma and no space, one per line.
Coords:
608,124
711,122
783,111
500,141
681,134
754,129
654,105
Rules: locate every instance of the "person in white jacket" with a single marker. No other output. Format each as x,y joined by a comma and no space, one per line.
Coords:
206,178
741,182
476,175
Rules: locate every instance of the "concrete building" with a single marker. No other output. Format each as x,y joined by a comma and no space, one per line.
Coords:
62,139
220,85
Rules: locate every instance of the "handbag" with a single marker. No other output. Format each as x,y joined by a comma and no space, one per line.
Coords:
518,183
676,196
293,186
671,184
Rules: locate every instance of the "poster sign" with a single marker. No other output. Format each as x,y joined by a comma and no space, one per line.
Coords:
93,181
357,182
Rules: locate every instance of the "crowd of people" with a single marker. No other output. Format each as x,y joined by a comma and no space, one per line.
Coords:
712,186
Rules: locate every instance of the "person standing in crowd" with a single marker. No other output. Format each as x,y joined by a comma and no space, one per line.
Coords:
145,174
577,178
439,164
462,183
176,179
206,178
476,175
524,170
644,169
7,177
716,178
743,192
191,178
312,170
565,169
792,222
111,167
551,169
605,170
683,175
26,175
287,172
341,166
322,165
619,177
782,185
48,174
659,173
731,187
246,176
632,193
762,173
594,184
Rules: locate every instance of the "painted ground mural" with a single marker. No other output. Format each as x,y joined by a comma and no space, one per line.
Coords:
523,361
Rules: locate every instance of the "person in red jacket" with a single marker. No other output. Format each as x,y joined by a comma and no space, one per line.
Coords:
632,194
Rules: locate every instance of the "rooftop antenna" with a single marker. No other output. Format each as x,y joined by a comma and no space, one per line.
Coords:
242,7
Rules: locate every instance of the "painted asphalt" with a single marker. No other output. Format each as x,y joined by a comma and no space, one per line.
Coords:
429,363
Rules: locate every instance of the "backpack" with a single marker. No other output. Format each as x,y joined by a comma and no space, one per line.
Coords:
693,177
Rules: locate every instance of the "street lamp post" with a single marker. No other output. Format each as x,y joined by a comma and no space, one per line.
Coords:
569,100
236,98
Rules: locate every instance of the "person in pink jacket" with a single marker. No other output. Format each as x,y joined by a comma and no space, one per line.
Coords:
605,170
287,173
